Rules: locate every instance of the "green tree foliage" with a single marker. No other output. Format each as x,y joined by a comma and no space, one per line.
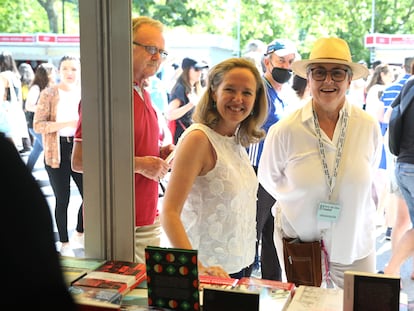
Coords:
170,12
350,20
22,16
32,16
300,20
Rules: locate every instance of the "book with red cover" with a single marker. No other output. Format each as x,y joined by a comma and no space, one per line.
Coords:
252,282
122,267
216,281
114,274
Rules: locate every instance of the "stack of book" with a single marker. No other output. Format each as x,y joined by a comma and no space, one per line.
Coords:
251,293
106,285
312,298
74,268
362,291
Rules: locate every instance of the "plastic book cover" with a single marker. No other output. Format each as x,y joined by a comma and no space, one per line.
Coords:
73,274
82,263
82,294
274,295
101,281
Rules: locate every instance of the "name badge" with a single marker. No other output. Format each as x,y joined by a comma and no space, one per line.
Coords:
328,212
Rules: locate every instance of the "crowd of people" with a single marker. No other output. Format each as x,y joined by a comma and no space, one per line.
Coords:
258,148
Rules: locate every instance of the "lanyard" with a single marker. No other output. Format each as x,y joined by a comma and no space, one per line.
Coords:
331,180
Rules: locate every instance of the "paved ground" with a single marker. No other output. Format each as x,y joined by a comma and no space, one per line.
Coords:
383,245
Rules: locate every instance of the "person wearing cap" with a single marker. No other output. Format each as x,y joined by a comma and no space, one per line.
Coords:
319,163
278,59
184,96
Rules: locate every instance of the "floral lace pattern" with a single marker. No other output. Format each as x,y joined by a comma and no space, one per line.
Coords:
220,212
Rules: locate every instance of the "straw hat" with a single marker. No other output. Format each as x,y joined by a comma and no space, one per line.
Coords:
333,51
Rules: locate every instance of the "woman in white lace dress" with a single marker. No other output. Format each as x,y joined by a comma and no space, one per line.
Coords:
210,201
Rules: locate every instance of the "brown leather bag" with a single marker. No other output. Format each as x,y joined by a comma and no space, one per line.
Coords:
303,265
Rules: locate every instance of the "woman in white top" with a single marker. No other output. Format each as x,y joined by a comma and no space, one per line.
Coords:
56,118
318,163
382,77
210,201
11,103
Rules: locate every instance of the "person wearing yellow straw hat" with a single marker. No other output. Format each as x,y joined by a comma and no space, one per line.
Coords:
319,163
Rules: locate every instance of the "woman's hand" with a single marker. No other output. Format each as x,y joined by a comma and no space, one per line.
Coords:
212,270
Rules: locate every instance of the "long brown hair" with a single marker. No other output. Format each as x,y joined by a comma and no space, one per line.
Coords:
250,130
376,77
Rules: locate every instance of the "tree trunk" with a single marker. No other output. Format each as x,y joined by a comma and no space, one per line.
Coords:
48,5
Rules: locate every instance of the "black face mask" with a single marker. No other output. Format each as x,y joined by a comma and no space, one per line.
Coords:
281,75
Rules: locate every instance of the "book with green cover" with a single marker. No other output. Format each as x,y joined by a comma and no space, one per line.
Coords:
71,274
172,278
83,263
86,294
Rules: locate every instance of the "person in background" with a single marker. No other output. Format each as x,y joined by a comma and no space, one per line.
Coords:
392,91
383,76
404,247
396,200
184,96
76,161
301,94
402,216
150,164
26,77
322,186
255,50
149,154
210,201
158,93
357,91
28,217
278,59
45,76
374,65
56,118
165,139
5,128
11,97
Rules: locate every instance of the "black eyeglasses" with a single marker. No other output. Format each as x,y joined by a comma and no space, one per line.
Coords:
152,49
337,74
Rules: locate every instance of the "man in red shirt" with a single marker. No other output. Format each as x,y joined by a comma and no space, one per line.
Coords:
149,156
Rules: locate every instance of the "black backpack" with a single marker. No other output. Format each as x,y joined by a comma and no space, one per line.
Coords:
399,106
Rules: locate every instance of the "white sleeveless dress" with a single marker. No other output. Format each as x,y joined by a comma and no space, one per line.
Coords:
219,214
